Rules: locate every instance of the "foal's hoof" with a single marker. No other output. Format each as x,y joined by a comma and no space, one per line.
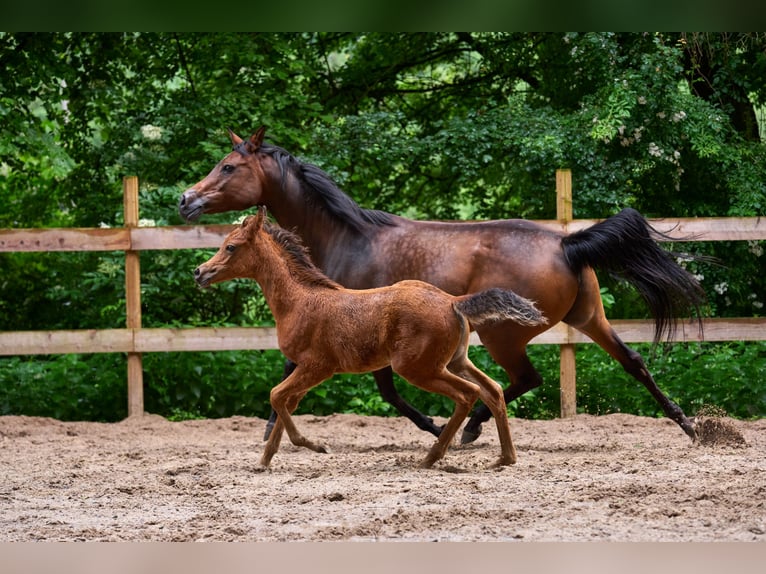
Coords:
503,461
470,435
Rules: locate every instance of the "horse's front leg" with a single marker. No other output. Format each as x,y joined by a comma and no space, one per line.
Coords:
384,378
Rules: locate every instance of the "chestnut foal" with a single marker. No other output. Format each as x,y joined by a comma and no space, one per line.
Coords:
324,328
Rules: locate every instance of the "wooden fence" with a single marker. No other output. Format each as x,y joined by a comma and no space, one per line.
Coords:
135,340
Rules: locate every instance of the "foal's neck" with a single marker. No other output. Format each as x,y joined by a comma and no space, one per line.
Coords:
285,282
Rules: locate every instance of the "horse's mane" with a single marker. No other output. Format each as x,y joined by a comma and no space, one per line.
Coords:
323,192
297,257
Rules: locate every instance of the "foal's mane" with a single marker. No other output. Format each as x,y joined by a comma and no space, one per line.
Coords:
297,257
322,191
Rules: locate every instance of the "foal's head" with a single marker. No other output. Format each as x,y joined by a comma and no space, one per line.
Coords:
251,246
237,257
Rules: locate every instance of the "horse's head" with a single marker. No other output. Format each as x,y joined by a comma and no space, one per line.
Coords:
234,184
235,257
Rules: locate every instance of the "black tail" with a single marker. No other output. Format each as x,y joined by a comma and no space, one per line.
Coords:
497,304
625,246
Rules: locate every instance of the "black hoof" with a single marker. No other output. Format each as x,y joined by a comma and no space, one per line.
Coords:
470,435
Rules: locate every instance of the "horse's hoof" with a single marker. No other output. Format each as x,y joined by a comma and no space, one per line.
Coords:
690,428
469,435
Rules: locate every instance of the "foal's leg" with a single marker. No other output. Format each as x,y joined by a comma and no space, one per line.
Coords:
491,394
285,398
272,445
384,378
289,368
462,392
522,374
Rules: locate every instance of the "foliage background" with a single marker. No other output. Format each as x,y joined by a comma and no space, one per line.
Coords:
429,125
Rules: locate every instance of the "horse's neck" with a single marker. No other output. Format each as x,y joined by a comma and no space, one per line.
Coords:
318,230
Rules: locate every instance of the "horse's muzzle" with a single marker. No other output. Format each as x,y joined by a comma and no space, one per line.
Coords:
190,206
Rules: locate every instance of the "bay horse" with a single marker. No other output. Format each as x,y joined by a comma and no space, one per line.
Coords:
362,248
324,328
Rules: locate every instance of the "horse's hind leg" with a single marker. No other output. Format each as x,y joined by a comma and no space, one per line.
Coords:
384,378
602,333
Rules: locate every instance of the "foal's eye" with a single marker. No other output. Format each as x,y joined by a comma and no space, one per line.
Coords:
227,168
230,248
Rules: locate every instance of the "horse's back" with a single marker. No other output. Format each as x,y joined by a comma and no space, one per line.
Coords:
467,257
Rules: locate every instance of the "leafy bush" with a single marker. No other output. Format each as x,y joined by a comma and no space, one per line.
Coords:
211,385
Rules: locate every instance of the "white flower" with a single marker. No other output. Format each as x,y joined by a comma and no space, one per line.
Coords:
755,248
678,116
150,132
661,115
641,100
721,288
757,304
147,223
654,150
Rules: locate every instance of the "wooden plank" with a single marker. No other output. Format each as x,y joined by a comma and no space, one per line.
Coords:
686,228
642,331
206,339
67,239
64,342
567,365
179,237
258,338
133,299
211,236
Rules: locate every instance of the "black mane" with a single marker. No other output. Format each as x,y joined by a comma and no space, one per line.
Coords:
324,193
298,258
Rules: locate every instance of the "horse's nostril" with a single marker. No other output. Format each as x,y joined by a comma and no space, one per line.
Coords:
196,272
182,201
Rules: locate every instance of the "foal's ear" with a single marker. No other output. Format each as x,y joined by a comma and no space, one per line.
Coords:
235,139
256,140
253,223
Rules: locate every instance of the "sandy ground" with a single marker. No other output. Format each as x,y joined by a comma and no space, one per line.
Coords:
616,477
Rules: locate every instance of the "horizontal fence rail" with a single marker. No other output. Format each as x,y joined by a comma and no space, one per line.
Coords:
136,340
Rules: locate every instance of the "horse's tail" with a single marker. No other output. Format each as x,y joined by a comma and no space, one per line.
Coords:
625,246
497,304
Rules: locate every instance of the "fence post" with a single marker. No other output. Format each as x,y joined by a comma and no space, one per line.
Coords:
133,299
567,366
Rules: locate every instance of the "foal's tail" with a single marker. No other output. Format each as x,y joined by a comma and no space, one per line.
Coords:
497,304
624,245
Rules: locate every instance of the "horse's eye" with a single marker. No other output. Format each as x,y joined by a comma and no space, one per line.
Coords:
230,248
227,168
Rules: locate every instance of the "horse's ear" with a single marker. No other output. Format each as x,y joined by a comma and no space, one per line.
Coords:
256,140
235,139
